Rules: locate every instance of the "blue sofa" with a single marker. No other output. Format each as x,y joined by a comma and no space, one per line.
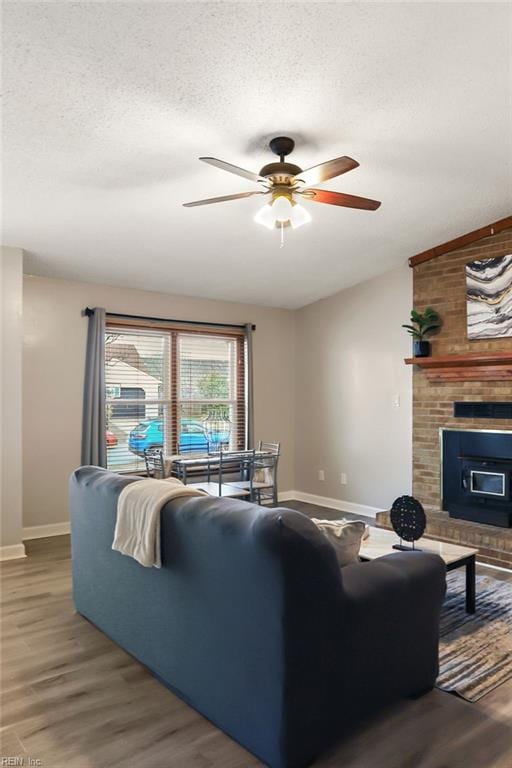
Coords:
251,621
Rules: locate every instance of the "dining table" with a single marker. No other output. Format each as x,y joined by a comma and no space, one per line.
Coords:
179,465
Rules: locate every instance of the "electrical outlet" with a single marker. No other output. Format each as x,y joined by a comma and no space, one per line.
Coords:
321,474
343,478
396,401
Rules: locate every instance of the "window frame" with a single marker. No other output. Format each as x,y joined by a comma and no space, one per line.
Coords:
238,383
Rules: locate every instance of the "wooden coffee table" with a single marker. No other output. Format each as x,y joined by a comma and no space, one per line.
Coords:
380,542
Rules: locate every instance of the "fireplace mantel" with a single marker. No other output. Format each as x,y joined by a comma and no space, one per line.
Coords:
479,366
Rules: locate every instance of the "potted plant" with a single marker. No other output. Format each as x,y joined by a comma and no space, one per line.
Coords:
423,325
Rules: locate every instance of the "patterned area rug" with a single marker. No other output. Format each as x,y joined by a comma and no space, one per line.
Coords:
475,651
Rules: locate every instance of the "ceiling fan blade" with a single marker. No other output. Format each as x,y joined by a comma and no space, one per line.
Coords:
319,173
339,198
224,198
233,169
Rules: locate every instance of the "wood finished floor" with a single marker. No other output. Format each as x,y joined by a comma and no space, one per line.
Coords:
71,698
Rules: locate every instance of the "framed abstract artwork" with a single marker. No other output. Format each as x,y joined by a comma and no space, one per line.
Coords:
489,298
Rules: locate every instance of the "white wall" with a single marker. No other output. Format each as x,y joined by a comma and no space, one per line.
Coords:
54,358
11,274
349,371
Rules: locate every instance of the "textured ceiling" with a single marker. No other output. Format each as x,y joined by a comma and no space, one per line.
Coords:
108,106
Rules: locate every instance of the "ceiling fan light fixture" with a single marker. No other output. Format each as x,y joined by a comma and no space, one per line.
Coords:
265,216
282,212
276,213
299,216
282,208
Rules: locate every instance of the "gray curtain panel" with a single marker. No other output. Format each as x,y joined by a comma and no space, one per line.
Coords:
94,449
249,427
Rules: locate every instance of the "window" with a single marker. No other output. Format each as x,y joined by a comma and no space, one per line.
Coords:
183,391
133,410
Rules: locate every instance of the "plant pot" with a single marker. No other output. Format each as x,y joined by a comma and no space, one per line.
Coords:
421,348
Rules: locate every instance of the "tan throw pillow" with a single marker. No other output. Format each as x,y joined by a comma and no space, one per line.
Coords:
366,526
345,536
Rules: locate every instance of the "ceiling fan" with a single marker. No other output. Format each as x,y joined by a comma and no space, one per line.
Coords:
287,183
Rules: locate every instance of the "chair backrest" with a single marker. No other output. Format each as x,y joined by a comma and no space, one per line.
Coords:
154,460
269,447
241,462
266,466
270,460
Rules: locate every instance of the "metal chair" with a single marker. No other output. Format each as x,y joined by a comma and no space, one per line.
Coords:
264,481
154,460
241,462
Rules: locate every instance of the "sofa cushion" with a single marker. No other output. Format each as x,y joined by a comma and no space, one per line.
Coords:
345,536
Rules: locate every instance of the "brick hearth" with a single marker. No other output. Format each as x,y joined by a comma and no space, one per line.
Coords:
441,283
494,544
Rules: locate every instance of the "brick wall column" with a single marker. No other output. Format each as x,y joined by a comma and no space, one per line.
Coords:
441,283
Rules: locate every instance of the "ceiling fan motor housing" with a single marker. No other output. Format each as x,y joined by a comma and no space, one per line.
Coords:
280,172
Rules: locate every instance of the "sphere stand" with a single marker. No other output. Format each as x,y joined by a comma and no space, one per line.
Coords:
405,547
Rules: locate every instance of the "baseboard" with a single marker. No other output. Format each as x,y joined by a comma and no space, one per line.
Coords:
43,531
287,496
494,567
338,504
62,529
12,552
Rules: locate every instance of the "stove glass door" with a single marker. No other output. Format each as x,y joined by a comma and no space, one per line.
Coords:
488,483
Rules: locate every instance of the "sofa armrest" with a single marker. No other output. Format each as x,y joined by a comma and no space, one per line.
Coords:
397,579
365,636
393,605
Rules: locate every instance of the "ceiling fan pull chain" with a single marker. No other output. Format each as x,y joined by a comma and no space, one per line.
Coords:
282,235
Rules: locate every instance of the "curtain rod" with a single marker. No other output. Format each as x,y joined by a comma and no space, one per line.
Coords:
88,311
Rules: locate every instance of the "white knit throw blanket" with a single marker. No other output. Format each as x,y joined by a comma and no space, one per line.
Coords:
137,532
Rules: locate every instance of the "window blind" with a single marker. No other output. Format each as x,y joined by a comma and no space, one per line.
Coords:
181,390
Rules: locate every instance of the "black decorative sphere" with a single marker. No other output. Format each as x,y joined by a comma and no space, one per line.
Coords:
408,518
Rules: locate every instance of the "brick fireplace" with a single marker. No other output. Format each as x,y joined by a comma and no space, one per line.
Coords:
441,283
